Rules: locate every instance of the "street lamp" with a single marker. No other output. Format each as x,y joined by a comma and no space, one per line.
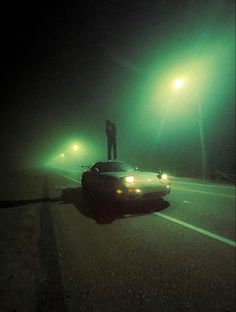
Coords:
202,139
178,84
75,147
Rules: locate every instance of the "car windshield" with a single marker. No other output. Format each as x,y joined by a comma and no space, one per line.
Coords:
113,167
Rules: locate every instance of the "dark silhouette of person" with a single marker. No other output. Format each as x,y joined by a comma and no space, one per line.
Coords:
110,130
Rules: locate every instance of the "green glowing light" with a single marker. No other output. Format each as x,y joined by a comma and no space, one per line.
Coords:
178,83
70,153
75,147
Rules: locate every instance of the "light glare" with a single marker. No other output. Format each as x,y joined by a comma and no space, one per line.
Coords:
178,83
129,179
75,147
164,176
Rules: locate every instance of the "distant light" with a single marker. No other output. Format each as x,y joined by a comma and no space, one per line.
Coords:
75,147
178,83
62,155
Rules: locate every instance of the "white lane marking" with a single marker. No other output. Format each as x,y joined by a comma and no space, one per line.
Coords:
70,178
190,226
198,229
204,184
203,192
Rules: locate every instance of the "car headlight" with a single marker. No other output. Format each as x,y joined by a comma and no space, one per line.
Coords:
164,176
129,179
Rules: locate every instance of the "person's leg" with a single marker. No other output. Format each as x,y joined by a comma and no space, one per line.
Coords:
114,149
109,147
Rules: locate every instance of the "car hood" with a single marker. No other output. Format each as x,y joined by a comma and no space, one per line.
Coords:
138,175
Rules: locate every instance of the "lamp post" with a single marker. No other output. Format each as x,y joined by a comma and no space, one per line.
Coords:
178,84
202,139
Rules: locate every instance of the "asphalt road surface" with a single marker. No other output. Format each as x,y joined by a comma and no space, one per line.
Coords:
62,251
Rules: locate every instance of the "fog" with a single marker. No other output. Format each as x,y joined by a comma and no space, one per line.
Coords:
68,69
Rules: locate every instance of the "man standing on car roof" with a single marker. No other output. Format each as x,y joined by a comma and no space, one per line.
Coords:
110,130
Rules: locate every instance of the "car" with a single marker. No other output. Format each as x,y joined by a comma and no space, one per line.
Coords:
123,182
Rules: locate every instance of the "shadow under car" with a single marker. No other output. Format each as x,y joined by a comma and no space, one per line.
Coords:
104,210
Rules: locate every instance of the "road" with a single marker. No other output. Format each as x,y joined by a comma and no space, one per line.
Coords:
61,251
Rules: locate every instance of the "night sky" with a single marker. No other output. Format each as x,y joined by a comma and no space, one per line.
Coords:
66,68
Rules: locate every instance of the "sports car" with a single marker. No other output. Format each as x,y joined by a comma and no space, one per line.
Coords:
124,182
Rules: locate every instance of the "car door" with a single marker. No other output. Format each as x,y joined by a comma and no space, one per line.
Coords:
94,178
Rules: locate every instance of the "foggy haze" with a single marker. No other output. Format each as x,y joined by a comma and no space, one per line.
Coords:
66,69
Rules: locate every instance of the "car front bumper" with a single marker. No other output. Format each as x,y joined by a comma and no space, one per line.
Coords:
141,194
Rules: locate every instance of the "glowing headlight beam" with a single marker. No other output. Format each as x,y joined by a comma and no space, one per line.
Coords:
164,176
129,179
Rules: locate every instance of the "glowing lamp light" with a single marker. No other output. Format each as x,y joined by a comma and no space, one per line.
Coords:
75,147
178,83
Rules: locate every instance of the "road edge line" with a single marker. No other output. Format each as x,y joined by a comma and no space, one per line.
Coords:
199,230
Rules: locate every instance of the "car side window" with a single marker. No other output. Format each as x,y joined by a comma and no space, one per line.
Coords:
95,170
96,167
